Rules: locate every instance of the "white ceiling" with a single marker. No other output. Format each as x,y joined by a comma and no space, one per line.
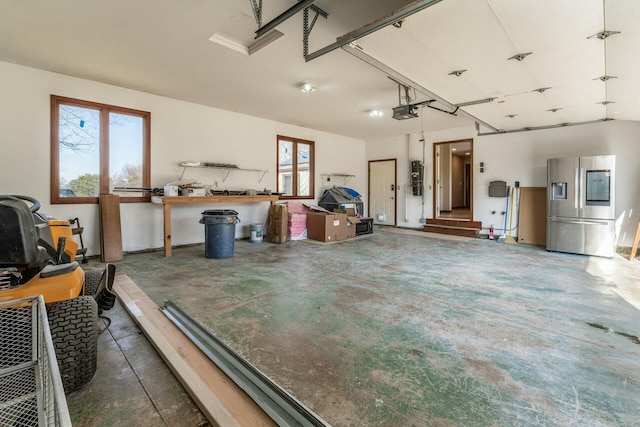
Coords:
162,47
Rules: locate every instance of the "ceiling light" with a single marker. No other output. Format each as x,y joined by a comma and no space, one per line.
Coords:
454,149
520,56
307,87
376,113
603,35
467,154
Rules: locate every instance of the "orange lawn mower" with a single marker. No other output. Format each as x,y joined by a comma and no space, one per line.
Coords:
37,257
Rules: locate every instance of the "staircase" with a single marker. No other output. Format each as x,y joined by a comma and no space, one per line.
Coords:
455,227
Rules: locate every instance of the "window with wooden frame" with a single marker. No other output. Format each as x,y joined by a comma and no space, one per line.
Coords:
96,148
296,168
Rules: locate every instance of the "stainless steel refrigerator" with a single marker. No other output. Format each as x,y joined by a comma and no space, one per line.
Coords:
581,205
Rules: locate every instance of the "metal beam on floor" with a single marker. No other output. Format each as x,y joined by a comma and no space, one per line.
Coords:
283,408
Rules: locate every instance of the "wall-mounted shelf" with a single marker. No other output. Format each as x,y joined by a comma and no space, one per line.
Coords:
225,168
345,176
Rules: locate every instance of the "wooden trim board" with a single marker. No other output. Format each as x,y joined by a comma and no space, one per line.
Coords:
532,216
634,248
110,229
217,396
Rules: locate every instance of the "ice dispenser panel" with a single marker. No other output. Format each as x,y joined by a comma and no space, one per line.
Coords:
558,191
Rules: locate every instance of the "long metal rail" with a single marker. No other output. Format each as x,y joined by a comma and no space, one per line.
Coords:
392,18
283,408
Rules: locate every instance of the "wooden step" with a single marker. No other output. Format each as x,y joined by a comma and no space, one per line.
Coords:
77,230
455,227
453,231
455,223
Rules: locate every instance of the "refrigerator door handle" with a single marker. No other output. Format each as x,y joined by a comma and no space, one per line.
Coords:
582,189
579,221
576,187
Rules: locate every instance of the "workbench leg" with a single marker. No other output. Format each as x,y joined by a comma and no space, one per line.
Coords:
167,230
634,248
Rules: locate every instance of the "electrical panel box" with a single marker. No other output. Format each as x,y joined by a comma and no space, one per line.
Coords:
497,189
416,178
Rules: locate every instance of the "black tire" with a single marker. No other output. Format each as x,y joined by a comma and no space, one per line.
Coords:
74,330
91,281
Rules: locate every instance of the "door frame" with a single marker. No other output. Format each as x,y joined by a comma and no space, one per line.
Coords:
436,183
395,188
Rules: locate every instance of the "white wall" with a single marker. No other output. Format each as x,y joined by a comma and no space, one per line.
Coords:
522,157
180,131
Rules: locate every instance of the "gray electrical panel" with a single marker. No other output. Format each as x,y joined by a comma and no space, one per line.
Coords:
497,189
416,177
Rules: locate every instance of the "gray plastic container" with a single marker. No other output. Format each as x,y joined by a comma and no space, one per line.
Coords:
219,232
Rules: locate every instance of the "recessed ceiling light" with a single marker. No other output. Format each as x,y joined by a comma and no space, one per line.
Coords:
376,113
307,87
454,149
467,153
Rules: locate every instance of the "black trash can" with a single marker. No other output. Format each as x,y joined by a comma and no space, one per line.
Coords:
219,232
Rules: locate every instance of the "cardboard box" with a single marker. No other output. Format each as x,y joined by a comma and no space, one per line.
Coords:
327,227
278,223
352,220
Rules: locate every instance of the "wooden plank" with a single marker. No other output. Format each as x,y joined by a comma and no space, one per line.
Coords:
634,248
217,396
532,216
110,229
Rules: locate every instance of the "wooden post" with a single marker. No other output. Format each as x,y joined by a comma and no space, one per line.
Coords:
634,248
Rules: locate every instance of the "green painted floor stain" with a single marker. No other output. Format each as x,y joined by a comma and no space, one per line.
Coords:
406,330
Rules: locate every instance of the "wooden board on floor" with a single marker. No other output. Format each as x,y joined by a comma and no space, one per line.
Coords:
110,231
217,396
532,217
636,241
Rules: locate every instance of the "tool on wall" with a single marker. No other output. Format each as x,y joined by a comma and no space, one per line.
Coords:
509,238
77,231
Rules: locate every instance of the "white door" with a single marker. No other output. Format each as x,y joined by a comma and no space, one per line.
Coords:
438,181
382,191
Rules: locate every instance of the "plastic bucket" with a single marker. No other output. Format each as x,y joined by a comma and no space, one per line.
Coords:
256,233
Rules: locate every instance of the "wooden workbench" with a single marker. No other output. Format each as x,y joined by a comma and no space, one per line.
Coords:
168,201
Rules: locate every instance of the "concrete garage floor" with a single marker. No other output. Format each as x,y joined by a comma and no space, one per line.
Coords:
132,386
398,328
